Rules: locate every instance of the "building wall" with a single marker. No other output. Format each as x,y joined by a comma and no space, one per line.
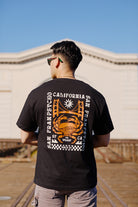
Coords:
5,102
118,83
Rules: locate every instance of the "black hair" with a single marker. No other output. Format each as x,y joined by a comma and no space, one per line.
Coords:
70,51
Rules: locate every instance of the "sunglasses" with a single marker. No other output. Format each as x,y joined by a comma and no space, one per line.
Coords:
50,59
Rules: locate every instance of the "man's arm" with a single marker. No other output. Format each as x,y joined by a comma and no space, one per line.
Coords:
28,138
101,140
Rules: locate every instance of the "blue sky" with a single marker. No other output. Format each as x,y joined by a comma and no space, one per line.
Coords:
108,24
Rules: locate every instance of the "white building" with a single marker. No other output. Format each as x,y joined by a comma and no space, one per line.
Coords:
114,75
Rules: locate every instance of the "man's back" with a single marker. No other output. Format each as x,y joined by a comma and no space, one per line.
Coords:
66,112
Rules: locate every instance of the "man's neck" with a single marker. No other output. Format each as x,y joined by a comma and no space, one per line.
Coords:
66,75
69,77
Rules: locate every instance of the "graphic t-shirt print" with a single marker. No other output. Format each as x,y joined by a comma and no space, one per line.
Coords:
67,121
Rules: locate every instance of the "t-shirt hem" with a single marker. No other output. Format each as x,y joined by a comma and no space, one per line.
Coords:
66,188
104,132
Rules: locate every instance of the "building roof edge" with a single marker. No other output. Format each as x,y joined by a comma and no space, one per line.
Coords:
43,51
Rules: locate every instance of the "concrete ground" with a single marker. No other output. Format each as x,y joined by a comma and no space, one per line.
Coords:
115,180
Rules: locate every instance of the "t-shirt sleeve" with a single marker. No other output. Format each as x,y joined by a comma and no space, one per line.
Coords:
102,122
26,120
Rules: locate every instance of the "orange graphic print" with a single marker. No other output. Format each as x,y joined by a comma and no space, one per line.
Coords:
68,123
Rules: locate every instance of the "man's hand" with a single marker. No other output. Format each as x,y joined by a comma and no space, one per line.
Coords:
28,138
101,140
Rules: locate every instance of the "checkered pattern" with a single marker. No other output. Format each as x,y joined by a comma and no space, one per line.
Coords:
66,147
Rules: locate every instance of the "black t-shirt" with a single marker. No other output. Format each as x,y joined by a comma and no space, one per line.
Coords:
66,112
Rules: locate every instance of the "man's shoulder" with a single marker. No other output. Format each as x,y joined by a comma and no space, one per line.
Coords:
41,87
38,91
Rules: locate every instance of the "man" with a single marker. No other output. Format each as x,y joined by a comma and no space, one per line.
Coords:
72,118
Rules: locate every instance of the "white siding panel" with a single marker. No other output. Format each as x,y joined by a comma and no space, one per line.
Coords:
5,80
129,106
130,123
5,114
